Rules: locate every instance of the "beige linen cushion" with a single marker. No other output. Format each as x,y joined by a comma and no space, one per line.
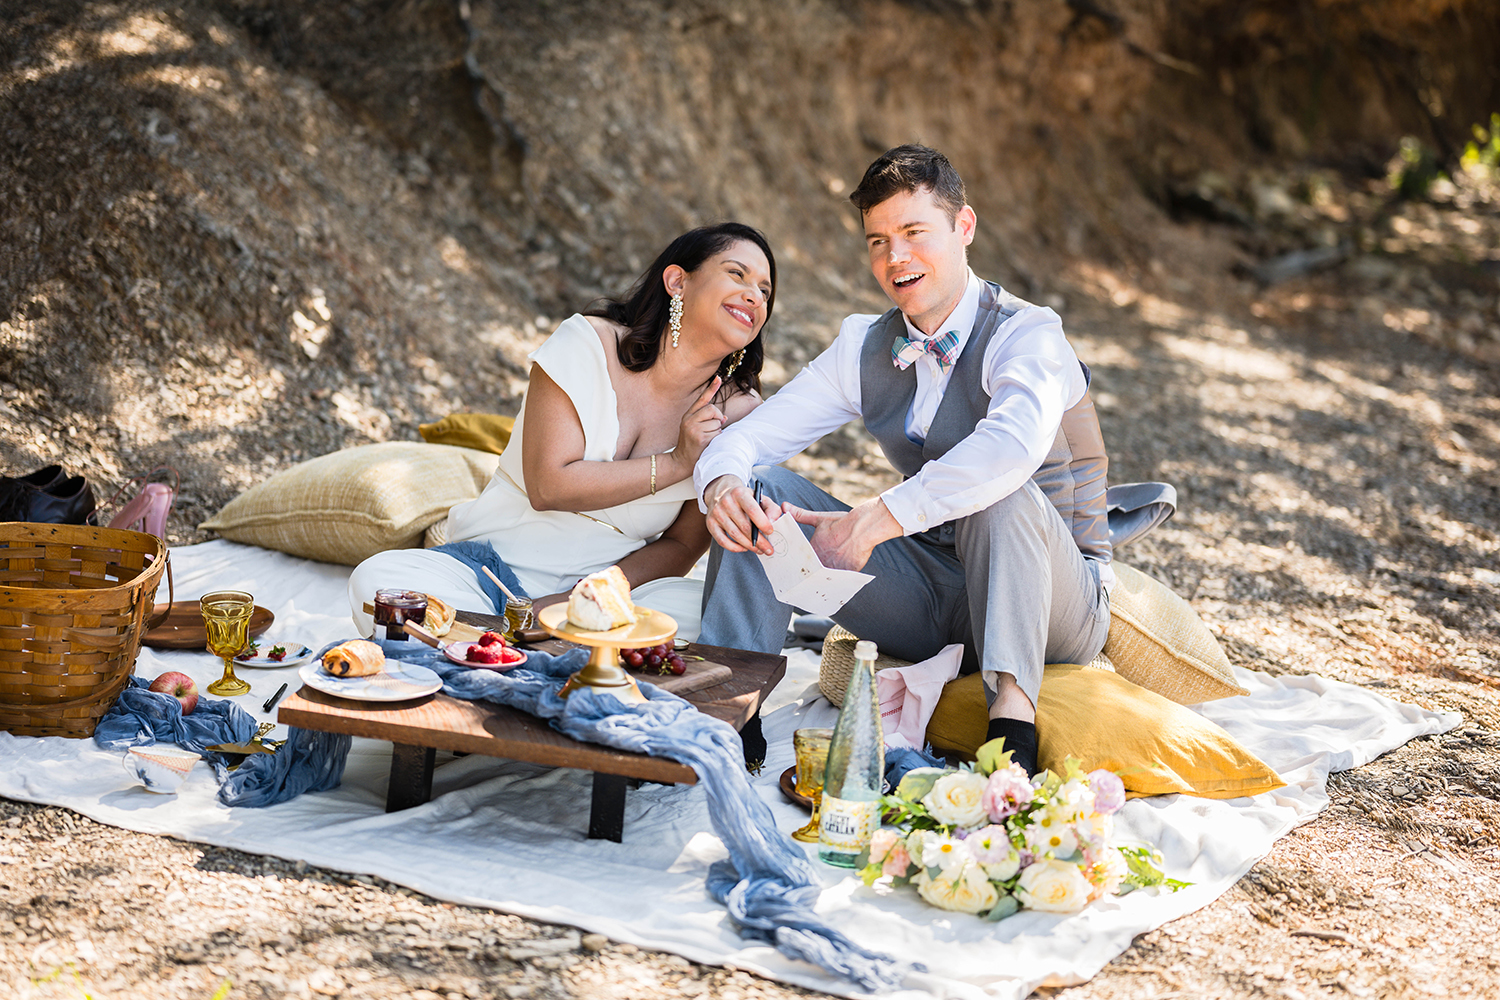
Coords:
1157,641
347,506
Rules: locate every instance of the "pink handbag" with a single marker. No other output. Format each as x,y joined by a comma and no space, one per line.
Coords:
148,512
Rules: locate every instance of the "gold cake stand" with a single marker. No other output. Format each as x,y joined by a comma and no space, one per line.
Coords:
603,670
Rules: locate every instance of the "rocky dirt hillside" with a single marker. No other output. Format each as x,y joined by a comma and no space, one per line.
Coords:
237,234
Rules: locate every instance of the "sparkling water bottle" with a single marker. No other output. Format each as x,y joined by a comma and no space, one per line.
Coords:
850,811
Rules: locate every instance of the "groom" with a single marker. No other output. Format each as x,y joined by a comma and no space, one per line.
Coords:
997,538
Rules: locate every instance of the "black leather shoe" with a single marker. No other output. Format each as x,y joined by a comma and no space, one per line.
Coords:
64,501
47,478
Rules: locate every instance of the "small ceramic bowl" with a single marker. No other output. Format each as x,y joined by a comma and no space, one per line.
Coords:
160,768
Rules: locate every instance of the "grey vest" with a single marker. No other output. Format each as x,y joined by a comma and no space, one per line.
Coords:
1073,473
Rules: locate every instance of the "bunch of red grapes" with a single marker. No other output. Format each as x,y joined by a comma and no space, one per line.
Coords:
663,659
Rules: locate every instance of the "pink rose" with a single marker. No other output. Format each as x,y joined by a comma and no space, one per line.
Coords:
1007,793
897,861
1108,789
881,843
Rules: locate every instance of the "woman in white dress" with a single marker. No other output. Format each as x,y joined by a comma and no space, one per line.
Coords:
622,401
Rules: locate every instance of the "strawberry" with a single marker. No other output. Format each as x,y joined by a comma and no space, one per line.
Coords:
491,653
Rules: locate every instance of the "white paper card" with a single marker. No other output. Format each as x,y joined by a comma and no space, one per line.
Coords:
800,578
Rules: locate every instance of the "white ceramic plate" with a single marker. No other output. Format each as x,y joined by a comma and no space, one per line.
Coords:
296,652
396,682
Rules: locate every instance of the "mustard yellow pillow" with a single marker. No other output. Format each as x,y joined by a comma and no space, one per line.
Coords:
347,506
480,431
1158,641
1155,745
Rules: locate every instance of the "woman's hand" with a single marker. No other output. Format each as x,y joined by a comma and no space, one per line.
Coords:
700,425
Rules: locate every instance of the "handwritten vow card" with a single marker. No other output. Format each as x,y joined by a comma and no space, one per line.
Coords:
800,579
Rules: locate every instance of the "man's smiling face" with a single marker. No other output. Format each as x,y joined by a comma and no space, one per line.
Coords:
919,256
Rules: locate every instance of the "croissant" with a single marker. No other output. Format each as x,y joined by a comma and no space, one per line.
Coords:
355,658
439,616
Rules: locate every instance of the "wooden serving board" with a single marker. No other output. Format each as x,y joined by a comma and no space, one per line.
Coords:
699,675
183,628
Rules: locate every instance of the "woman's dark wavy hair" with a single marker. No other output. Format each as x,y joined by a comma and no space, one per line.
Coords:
643,310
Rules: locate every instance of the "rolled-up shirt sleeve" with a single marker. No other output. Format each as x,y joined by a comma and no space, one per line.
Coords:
1032,377
822,397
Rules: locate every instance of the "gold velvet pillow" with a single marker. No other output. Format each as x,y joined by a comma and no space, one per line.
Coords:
347,506
1155,745
480,431
1158,641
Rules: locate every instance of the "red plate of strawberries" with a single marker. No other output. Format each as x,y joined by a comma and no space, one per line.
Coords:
491,652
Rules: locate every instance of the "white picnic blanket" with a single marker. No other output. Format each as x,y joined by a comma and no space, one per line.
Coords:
511,836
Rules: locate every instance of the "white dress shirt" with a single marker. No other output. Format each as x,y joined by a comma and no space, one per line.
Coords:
1030,372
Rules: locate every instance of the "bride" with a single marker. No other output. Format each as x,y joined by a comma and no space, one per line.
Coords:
622,401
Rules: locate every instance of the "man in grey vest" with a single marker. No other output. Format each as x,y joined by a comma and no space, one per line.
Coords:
997,538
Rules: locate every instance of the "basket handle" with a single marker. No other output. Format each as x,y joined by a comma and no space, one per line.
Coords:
154,620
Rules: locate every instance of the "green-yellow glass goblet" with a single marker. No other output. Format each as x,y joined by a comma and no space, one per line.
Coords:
226,618
811,746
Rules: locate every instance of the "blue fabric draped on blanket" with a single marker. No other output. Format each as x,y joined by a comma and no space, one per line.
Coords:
767,883
141,717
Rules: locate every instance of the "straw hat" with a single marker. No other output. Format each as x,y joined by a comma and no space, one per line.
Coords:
838,663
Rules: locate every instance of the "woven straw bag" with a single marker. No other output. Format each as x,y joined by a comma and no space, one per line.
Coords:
837,665
73,608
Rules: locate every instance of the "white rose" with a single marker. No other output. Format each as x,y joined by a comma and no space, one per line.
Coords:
956,799
1002,871
1055,886
966,891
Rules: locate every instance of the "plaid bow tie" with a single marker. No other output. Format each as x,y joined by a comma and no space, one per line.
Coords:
944,349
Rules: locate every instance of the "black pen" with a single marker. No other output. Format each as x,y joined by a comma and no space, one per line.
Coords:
754,531
271,701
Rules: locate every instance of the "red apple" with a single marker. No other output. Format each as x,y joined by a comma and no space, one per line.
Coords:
180,686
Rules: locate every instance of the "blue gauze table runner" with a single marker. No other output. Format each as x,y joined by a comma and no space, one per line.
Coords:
766,883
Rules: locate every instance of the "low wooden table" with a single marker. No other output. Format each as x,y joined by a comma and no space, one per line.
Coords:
421,727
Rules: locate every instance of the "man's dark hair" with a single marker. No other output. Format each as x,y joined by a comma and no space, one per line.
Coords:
911,168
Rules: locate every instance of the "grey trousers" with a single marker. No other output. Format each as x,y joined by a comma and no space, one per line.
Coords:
1007,582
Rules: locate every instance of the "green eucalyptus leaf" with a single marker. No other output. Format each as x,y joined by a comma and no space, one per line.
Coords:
918,782
1004,908
992,757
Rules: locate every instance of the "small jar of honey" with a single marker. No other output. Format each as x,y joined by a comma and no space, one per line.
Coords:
518,616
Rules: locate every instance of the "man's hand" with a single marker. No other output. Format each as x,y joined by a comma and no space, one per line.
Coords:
732,510
844,540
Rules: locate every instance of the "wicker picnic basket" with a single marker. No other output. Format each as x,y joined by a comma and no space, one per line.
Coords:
837,664
73,607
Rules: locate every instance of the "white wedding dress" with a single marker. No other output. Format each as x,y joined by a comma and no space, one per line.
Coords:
547,550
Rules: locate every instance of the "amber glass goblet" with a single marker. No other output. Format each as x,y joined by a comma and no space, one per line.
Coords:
811,746
226,618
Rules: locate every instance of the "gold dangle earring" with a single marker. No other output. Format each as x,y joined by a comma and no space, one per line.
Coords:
734,362
674,318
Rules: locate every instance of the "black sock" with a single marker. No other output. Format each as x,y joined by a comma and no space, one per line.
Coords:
1020,737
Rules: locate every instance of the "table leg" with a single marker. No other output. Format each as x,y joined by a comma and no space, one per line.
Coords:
607,812
411,777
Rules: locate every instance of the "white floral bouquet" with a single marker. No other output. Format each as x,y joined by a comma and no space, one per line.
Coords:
987,839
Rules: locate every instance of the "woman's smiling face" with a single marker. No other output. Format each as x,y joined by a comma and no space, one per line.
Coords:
728,295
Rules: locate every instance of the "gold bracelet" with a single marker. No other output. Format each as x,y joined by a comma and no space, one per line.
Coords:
653,475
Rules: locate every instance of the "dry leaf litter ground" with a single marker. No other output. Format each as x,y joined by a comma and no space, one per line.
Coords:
1334,437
